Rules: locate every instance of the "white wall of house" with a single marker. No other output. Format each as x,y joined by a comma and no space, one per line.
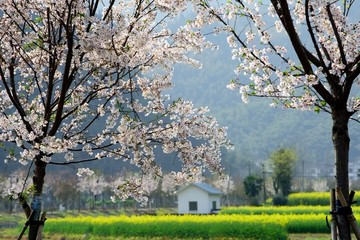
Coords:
203,199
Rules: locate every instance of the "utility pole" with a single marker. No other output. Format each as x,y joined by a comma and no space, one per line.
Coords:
302,174
264,180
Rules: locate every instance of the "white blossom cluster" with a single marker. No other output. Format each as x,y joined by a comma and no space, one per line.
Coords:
14,184
225,184
94,184
266,64
136,186
84,172
83,81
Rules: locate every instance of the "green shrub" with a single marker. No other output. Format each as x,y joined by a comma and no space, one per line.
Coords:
309,198
281,210
280,200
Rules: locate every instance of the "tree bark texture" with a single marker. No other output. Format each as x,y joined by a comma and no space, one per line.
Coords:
36,204
341,143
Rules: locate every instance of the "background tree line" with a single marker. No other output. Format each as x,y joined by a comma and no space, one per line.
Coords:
275,179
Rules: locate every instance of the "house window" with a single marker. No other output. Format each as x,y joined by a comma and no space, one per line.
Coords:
193,206
214,205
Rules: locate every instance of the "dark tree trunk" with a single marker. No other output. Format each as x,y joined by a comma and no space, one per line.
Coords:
276,185
36,204
341,142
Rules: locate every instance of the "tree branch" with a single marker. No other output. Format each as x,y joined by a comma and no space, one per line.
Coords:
332,82
12,92
25,206
349,81
52,70
67,76
74,162
337,36
287,21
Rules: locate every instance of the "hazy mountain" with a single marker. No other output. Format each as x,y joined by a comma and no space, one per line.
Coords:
256,129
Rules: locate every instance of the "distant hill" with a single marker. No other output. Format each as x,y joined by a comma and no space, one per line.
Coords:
256,129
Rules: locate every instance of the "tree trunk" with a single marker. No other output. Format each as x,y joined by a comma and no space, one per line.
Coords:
275,185
341,143
36,204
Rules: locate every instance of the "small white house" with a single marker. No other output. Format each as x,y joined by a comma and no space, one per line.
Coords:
198,198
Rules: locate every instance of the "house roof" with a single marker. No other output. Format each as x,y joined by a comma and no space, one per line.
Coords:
204,186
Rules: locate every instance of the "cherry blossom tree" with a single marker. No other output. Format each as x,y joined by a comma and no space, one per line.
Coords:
13,184
303,54
94,184
168,189
169,185
84,80
226,185
144,184
60,189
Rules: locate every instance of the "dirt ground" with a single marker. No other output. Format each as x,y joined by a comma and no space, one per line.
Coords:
6,234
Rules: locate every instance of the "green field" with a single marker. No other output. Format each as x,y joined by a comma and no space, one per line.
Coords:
232,223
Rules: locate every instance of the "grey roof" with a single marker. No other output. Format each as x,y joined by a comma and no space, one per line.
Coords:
204,186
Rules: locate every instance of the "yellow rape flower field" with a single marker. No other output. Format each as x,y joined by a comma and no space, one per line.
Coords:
272,223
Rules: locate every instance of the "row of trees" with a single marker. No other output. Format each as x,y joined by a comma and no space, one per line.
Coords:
64,190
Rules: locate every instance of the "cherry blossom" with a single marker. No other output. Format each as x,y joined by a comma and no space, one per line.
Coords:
304,55
86,171
136,186
84,80
268,64
94,184
14,185
225,184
